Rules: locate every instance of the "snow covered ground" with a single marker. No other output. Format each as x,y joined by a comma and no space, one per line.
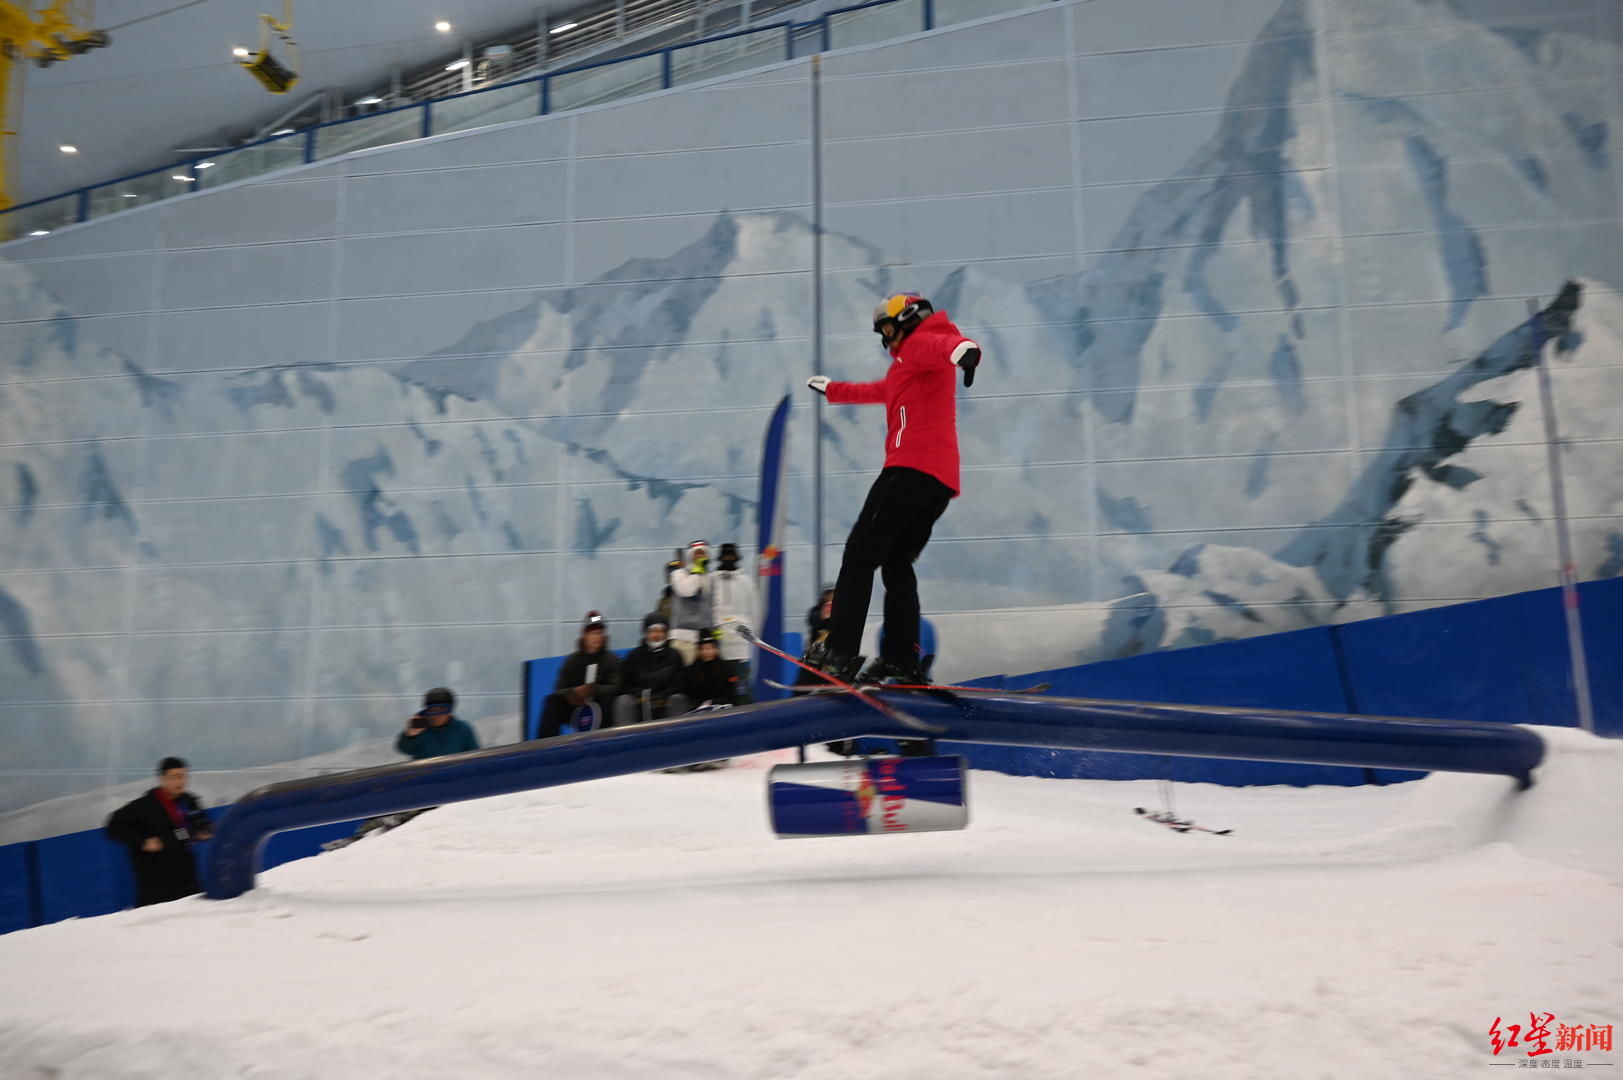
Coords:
650,927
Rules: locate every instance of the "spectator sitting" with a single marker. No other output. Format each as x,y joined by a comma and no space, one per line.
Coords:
818,619
434,731
650,678
690,600
589,674
159,830
732,604
708,680
431,732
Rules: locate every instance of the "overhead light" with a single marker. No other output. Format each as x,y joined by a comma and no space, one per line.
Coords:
458,66
40,232
204,165
443,27
561,27
131,195
370,101
66,149
282,131
240,53
184,179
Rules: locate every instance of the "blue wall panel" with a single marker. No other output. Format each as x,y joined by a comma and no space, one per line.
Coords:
1601,603
1294,670
82,874
15,882
1502,660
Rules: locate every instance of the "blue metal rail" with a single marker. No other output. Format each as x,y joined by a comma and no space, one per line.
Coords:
1060,723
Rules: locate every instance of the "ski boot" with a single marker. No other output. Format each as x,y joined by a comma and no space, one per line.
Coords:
907,672
833,664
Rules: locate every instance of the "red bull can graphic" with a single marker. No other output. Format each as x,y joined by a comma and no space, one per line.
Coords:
869,796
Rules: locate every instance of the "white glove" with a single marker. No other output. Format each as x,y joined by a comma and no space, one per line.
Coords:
819,383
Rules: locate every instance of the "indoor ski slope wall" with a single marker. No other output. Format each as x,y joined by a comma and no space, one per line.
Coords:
275,458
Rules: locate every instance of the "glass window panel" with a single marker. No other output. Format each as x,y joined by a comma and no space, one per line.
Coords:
137,191
880,23
808,40
948,12
710,59
251,161
519,101
573,89
43,218
381,130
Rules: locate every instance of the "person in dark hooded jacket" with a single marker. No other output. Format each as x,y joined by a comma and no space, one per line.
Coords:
650,678
159,831
709,680
589,674
433,731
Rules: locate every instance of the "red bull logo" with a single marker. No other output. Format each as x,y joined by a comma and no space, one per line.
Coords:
770,564
875,795
894,797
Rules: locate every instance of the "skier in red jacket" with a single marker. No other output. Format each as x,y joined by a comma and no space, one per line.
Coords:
919,478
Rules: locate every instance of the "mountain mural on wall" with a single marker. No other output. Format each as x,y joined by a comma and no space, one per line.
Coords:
1222,323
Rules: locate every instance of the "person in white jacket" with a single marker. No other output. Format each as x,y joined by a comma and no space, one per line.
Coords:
732,601
690,600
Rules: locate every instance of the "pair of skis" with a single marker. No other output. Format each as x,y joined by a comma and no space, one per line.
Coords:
1175,823
861,692
885,708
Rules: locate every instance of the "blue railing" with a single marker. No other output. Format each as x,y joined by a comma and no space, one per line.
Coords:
537,95
1061,723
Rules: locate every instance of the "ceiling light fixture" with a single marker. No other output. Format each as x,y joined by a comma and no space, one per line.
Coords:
561,27
370,101
204,165
239,52
66,149
40,232
131,195
458,66
282,131
184,179
443,27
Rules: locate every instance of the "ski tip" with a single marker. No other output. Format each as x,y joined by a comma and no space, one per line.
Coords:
1224,832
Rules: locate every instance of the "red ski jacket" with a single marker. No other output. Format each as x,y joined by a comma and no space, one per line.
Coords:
919,393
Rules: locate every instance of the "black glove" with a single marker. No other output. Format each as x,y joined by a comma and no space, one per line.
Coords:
969,362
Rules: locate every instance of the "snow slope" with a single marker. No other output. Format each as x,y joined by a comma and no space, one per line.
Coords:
648,926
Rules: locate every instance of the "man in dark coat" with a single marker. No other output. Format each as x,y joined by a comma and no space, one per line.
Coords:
159,831
589,674
650,678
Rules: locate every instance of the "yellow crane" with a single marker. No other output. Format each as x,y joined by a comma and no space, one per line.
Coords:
56,32
273,74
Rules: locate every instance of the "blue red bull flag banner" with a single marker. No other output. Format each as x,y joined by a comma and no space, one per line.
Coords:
869,796
770,546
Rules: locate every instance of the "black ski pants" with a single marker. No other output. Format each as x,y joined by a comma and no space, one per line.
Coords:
902,508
